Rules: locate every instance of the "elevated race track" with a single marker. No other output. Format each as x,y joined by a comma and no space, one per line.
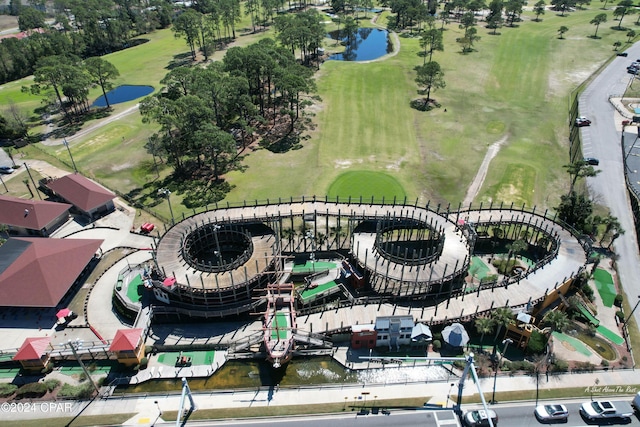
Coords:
567,259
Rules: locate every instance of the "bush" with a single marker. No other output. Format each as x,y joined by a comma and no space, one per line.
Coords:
436,345
588,291
7,390
537,343
51,384
584,367
620,315
144,362
618,300
605,362
559,366
31,390
83,391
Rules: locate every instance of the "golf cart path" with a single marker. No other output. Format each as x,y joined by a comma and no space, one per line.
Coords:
478,180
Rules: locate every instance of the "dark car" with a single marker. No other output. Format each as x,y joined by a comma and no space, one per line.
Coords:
622,54
582,121
592,161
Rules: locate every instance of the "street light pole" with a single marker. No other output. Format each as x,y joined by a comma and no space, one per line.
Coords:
167,193
506,343
624,326
66,144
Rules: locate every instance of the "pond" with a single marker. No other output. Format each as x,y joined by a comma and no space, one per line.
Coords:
299,372
365,45
123,93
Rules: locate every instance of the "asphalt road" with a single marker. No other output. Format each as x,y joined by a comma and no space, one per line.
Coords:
510,415
602,140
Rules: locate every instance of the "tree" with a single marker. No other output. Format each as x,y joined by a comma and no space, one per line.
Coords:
612,227
563,5
597,20
484,325
187,25
431,40
101,72
430,76
513,10
625,7
616,45
466,42
556,320
539,9
30,19
561,31
575,209
630,35
579,169
502,317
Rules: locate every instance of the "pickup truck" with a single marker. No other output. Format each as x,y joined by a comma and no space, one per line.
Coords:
605,410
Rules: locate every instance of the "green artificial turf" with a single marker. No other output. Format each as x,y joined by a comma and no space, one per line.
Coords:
135,288
578,345
605,286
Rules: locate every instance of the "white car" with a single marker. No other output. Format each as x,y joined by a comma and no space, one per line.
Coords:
6,170
480,418
552,413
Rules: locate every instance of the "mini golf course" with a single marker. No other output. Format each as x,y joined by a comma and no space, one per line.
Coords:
310,293
605,286
197,357
135,289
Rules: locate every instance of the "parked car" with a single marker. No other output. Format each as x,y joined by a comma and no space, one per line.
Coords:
606,410
582,121
549,413
479,418
622,54
592,161
6,170
635,403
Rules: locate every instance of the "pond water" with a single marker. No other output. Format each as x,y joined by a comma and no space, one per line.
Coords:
365,45
123,93
300,371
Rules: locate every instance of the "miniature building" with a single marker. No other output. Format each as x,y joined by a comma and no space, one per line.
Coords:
393,331
33,355
128,345
363,336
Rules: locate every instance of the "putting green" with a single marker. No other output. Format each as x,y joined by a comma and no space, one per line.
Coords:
310,267
366,184
605,286
135,289
478,268
610,335
321,288
573,343
197,357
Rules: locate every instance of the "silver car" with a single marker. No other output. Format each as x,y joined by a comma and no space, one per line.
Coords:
552,413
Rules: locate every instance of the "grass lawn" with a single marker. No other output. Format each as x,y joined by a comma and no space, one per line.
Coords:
513,88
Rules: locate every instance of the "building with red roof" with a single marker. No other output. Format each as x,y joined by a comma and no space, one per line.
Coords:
89,198
32,217
33,353
37,272
128,345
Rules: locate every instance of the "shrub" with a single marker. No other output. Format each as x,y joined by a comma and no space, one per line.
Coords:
605,362
559,366
584,367
436,345
83,391
618,300
144,362
51,384
7,390
588,291
537,343
620,315
31,390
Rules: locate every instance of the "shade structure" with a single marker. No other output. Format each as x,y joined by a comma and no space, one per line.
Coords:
63,313
169,281
421,332
455,335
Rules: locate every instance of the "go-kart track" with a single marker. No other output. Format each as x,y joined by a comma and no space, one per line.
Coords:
357,229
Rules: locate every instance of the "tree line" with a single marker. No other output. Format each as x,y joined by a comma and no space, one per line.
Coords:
209,115
82,28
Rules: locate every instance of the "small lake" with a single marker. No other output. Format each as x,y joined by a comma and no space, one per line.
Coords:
365,45
123,93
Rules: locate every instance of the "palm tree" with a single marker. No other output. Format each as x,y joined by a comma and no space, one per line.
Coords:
612,227
484,325
557,320
502,316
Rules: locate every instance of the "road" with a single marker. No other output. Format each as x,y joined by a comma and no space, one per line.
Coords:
510,415
602,140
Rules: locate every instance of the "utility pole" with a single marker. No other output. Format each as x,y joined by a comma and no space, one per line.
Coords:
32,181
66,144
84,368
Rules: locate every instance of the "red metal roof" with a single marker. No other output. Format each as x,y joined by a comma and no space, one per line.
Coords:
37,272
126,339
33,348
31,214
80,191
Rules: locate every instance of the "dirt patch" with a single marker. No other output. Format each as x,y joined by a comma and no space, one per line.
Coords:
8,22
